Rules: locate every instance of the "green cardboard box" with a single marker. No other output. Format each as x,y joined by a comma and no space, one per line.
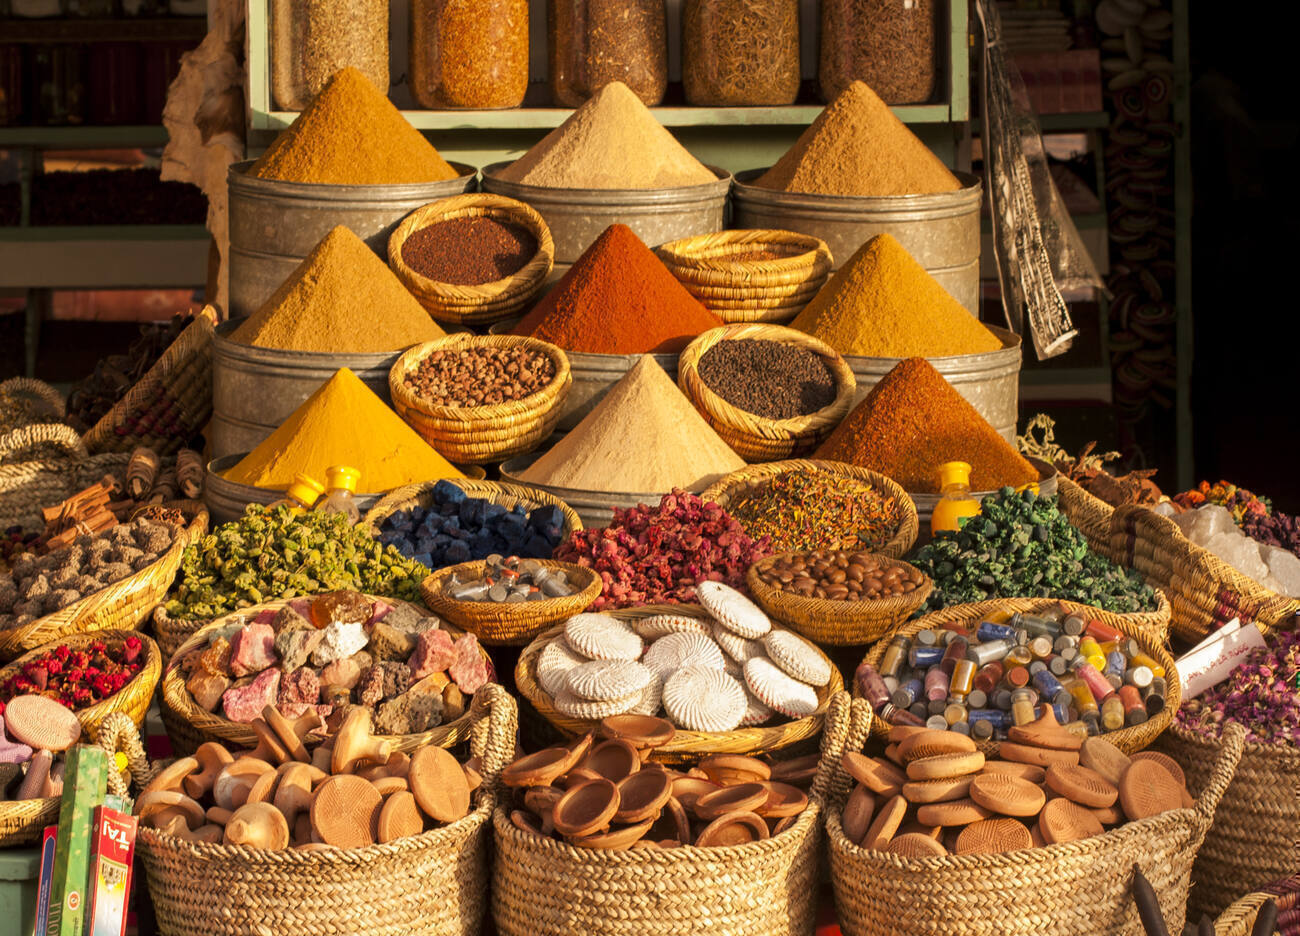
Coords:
84,787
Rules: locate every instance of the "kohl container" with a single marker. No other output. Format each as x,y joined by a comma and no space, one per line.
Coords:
837,623
577,217
763,888
926,501
117,608
509,623
274,225
941,230
431,884
481,434
1205,591
189,725
1253,839
1079,888
727,489
756,438
740,291
1149,629
988,381
776,735
481,303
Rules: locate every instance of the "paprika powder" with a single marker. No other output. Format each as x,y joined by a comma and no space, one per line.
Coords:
618,298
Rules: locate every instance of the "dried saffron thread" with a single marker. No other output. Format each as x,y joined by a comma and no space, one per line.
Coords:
805,510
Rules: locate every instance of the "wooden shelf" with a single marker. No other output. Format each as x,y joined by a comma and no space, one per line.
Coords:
85,137
107,256
116,29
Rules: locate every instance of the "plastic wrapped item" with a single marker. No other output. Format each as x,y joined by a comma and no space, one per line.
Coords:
1038,249
889,44
313,39
469,53
740,52
593,42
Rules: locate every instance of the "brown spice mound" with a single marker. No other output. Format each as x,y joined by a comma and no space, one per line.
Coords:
469,251
856,146
912,422
351,134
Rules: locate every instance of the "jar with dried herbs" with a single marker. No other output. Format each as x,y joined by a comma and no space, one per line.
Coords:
740,52
889,44
313,39
469,53
594,42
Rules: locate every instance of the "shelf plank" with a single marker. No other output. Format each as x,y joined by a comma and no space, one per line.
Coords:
104,256
53,138
119,29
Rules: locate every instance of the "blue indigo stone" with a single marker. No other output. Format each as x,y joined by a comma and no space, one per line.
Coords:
444,492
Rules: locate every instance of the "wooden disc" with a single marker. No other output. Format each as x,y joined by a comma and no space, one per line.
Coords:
399,817
888,819
439,784
1030,772
932,743
1102,757
957,813
879,776
40,723
943,766
1083,786
1045,732
1007,795
943,790
915,845
1064,821
858,811
1148,789
993,837
1164,760
1037,756
345,812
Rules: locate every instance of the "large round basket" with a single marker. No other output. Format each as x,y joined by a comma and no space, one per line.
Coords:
545,887
1089,513
685,744
721,271
1253,839
756,438
122,606
1080,888
132,699
1205,591
1150,637
432,884
509,623
480,434
481,303
724,491
836,623
188,724
498,492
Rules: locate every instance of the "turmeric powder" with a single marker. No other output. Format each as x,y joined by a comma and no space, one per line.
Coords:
343,423
882,303
351,134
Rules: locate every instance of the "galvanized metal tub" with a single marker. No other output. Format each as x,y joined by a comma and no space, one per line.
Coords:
577,217
226,500
595,508
989,381
274,224
941,230
254,389
925,503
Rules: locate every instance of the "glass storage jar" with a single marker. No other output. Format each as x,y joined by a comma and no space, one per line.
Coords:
593,42
313,39
469,53
740,52
889,44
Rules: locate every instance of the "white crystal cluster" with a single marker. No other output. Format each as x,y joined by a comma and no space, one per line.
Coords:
1213,528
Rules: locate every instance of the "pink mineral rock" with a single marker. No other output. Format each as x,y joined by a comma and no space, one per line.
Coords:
341,674
246,703
252,649
207,688
300,686
470,670
434,652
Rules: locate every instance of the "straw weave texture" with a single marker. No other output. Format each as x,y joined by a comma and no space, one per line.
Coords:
1238,919
1080,888
29,485
1089,513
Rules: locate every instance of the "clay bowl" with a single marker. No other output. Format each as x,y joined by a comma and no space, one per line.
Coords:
735,828
540,769
730,769
641,731
743,797
615,838
642,795
613,760
673,823
586,808
782,800
687,790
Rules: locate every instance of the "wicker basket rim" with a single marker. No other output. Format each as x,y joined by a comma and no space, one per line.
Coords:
700,251
434,579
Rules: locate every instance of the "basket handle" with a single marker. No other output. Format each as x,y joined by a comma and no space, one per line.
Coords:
492,734
58,434
1234,742
38,389
118,733
856,716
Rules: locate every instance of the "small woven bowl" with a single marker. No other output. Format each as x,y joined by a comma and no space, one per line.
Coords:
753,437
508,624
482,303
480,434
837,623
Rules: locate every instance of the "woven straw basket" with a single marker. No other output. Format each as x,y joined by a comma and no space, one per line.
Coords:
481,434
170,404
725,489
19,396
189,725
432,884
123,605
1255,836
1149,634
545,887
22,822
509,623
1089,513
1204,590
28,486
498,492
1080,888
685,744
836,623
1239,919
756,438
484,303
750,290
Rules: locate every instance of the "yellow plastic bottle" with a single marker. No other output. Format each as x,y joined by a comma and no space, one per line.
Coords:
302,493
341,492
957,502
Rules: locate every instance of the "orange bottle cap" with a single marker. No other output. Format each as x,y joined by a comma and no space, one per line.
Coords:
342,477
